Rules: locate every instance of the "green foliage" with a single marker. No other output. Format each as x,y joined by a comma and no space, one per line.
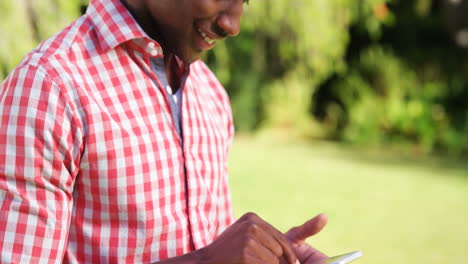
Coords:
285,50
52,15
386,101
287,102
371,17
409,87
16,34
25,23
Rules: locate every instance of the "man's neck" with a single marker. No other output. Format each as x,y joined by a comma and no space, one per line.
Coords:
170,63
172,71
142,17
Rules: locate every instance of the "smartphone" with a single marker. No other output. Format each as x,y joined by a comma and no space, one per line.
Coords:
345,258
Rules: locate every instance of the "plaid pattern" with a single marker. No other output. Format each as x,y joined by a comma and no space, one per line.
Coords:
92,169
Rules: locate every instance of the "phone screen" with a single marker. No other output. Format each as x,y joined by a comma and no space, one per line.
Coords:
345,258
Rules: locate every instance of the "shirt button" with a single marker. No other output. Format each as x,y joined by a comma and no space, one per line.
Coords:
151,45
154,52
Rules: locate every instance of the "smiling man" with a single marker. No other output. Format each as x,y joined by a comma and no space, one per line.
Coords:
113,145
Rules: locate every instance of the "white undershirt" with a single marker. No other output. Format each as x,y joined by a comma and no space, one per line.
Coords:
175,100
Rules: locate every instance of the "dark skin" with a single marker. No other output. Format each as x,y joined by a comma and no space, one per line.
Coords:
251,240
186,29
177,25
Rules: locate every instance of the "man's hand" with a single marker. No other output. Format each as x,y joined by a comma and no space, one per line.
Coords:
251,240
297,236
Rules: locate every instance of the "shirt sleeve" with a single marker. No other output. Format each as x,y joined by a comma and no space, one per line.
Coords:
39,157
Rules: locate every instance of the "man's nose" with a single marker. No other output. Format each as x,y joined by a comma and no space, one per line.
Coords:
229,20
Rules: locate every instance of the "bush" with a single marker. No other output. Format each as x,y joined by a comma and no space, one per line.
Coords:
285,50
408,86
26,23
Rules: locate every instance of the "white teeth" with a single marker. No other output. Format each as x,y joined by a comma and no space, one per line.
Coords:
205,37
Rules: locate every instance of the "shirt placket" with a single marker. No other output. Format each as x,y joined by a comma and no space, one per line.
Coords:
145,63
148,51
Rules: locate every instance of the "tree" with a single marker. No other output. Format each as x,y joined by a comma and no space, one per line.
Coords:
27,22
286,49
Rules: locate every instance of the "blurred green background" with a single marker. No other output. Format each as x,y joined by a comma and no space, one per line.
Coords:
353,108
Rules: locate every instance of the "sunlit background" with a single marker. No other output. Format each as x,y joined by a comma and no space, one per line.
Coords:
355,108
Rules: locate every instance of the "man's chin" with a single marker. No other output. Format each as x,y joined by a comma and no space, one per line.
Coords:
187,56
191,57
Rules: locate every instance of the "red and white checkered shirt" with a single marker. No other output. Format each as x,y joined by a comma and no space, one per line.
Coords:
92,169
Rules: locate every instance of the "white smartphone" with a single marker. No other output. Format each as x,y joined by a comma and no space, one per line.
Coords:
345,258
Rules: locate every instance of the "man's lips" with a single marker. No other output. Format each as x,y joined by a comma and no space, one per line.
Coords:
205,37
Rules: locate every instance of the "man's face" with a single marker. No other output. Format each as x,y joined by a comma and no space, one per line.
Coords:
187,28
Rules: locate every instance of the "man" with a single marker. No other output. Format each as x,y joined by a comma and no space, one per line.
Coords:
114,140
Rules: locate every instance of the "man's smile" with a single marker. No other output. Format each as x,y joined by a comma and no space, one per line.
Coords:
204,35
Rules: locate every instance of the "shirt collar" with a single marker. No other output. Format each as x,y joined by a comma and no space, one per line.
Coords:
115,25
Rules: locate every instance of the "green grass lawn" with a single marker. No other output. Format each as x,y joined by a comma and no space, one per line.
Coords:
394,208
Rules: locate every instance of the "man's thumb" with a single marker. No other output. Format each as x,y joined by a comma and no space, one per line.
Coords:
308,229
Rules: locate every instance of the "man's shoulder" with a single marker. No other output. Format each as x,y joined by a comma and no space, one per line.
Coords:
209,89
203,75
62,51
200,71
